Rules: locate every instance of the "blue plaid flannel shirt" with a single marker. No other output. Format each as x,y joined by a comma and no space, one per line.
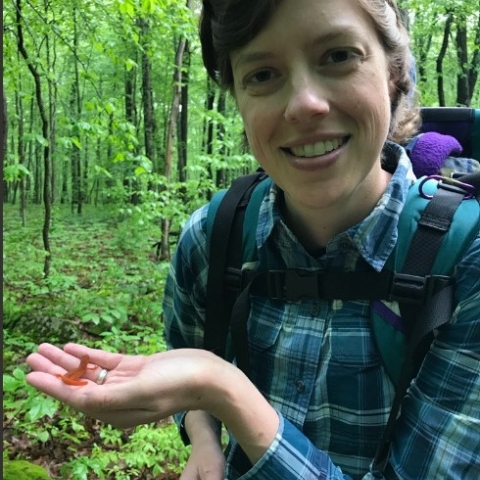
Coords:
317,364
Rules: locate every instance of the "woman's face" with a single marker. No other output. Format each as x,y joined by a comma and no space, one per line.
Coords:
313,91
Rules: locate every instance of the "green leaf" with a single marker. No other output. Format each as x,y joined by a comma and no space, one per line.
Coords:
130,64
76,142
13,173
109,108
41,140
43,436
41,406
10,384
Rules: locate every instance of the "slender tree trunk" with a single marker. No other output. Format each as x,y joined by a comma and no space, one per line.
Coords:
45,134
475,64
21,150
64,190
30,148
147,95
424,46
463,86
207,138
52,99
183,123
177,80
75,157
37,192
85,172
441,56
76,112
4,139
221,180
131,115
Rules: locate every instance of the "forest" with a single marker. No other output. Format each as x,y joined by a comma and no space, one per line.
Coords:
112,136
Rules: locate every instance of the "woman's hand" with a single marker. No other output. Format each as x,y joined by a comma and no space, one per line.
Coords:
142,389
207,461
138,389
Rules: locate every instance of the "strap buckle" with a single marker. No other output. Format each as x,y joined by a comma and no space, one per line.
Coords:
408,288
293,285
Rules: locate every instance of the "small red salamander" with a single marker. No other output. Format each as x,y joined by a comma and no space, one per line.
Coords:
70,378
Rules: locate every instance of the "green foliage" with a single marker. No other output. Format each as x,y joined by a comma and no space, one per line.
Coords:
23,470
13,173
105,291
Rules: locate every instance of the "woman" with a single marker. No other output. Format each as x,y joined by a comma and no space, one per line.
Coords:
321,85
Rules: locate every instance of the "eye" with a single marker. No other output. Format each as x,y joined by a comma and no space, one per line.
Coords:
262,81
259,77
341,57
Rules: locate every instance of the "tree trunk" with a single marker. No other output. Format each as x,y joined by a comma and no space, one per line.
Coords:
131,115
177,81
45,133
76,112
52,99
147,95
85,173
21,150
75,157
4,142
37,189
207,139
221,180
475,64
30,149
130,105
183,123
440,58
463,87
423,49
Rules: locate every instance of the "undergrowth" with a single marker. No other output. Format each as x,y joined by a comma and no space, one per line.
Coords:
104,290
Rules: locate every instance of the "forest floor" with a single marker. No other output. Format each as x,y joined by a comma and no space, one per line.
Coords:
104,289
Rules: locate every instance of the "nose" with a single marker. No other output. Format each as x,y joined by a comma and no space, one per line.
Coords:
306,99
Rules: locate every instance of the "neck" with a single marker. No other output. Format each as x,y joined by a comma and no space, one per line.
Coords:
315,227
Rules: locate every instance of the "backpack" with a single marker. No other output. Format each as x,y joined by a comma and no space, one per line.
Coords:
440,219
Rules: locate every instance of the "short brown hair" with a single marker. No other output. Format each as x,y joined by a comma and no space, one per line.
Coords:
227,25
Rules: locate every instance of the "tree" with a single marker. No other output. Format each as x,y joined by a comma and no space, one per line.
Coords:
46,135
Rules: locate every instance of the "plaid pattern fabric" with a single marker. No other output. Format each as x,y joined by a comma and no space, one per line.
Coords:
317,364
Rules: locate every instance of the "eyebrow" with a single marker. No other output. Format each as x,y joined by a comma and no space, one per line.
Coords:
245,58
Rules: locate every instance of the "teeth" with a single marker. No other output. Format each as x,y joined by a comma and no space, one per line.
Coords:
316,149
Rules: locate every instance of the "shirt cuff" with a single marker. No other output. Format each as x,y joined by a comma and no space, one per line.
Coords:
292,456
180,421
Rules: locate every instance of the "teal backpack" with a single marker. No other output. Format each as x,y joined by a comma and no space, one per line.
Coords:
440,220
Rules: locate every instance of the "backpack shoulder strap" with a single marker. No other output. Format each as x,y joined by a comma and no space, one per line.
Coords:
437,225
225,220
428,244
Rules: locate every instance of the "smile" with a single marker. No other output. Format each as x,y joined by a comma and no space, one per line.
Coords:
318,148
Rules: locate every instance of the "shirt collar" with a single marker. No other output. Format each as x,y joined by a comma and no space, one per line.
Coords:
376,235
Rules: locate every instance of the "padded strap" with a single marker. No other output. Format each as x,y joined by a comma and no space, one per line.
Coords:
419,324
224,239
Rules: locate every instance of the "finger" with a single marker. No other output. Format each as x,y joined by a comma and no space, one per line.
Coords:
51,359
113,404
101,358
68,358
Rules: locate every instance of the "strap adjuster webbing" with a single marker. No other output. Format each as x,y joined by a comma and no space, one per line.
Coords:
416,289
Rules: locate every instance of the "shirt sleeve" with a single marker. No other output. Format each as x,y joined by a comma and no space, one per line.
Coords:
438,432
292,456
185,288
184,296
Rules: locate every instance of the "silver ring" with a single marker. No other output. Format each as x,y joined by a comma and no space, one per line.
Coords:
102,376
